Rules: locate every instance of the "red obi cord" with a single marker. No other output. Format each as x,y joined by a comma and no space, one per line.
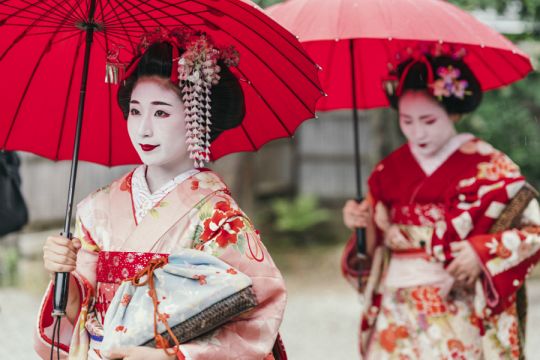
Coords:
117,266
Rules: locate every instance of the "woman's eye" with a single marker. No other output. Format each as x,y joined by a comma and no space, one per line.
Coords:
430,121
406,122
134,112
161,113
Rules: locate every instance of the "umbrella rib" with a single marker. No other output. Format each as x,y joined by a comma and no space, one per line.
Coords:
27,87
113,9
264,19
66,37
19,10
132,16
53,20
262,61
71,31
162,17
81,13
301,71
22,35
33,5
255,148
481,58
68,95
265,102
62,11
510,63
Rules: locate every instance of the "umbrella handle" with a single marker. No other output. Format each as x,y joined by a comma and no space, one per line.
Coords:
61,290
361,243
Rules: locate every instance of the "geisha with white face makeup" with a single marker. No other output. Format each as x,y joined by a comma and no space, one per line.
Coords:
431,206
169,205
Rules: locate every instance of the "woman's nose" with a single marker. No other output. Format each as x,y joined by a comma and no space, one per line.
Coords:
145,128
419,131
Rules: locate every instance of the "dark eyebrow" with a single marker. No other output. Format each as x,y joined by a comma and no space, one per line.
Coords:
160,103
405,115
423,117
153,103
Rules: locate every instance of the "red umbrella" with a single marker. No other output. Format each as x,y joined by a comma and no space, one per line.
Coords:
354,41
42,54
45,45
379,29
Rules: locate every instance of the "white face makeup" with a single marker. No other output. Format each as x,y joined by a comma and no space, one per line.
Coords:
156,124
424,122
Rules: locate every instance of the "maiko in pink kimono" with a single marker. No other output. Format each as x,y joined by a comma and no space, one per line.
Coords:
164,206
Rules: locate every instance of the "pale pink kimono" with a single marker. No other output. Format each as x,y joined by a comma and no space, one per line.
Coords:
199,213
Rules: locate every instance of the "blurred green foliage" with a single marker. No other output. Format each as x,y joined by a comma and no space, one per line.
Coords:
299,221
266,3
299,214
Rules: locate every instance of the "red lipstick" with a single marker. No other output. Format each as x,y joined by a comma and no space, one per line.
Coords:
147,147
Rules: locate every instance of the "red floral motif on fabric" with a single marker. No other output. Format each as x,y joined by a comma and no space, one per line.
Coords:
391,335
499,167
120,328
126,183
201,278
457,349
223,226
428,300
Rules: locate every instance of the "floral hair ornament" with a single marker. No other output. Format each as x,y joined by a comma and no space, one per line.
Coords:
447,82
196,71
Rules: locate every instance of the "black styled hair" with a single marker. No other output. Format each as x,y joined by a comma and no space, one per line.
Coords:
416,79
228,108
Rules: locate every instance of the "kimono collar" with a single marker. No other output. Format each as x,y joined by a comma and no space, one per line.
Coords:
143,199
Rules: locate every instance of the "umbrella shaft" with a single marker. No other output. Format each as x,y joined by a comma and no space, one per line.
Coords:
360,233
61,284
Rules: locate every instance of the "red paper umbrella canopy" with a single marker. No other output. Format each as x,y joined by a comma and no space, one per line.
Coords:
380,29
41,60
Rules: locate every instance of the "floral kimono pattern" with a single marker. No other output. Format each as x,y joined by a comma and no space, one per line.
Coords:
198,214
415,311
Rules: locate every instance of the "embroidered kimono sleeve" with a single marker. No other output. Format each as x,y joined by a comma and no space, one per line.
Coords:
225,232
73,337
507,259
476,202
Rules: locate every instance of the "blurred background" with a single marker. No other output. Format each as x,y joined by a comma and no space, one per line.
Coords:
293,190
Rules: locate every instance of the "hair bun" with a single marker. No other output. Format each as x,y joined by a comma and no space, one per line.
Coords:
413,75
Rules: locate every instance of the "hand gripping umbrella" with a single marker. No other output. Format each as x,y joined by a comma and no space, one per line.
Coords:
354,41
50,48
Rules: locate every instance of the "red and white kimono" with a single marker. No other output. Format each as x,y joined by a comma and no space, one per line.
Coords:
120,233
415,311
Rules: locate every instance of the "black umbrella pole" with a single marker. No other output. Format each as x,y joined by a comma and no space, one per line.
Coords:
61,280
360,232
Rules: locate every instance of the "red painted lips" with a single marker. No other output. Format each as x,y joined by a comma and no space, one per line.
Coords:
147,147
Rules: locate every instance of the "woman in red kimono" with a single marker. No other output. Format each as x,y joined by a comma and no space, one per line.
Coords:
179,95
441,286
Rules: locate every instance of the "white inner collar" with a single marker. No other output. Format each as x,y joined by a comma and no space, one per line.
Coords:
143,199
